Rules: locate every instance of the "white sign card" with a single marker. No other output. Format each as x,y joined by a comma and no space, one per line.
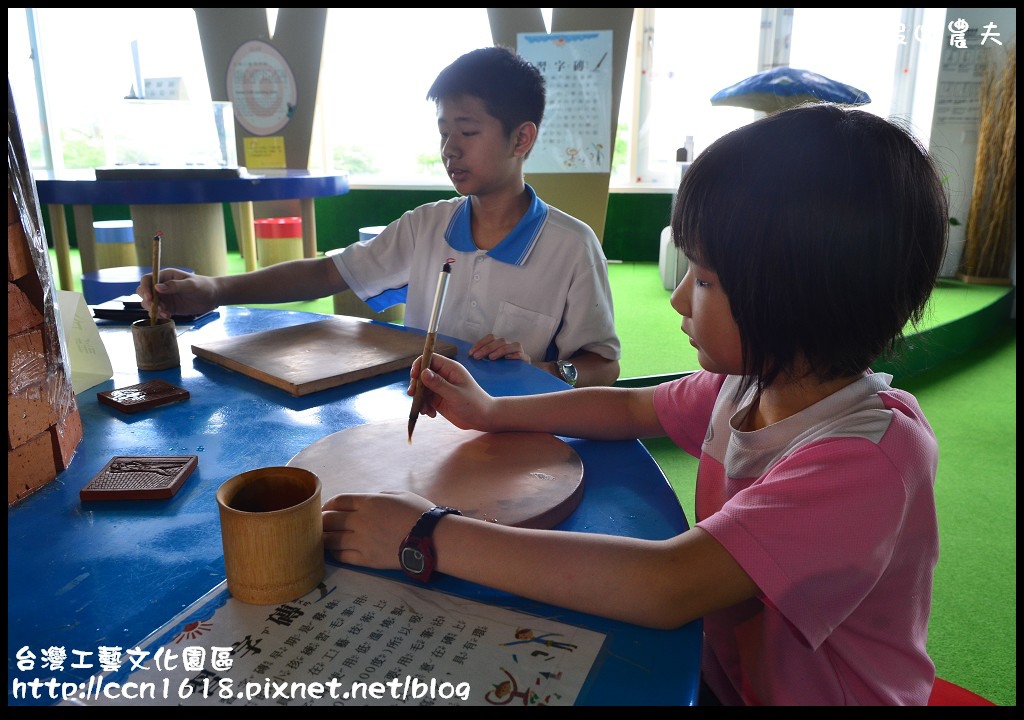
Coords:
87,356
576,130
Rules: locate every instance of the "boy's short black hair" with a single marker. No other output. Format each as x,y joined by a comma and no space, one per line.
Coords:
827,228
512,89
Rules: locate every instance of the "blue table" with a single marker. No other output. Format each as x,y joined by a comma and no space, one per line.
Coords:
188,211
84,575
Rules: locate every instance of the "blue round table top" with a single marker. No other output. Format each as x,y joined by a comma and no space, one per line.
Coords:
85,574
176,190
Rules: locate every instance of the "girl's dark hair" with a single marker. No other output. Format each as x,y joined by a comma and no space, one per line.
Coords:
827,227
512,89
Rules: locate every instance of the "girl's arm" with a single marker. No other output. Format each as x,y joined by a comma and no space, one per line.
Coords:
655,583
600,413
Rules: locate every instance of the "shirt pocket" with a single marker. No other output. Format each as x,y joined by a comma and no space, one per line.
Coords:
531,329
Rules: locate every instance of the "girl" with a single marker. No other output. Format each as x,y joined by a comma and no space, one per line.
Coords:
814,236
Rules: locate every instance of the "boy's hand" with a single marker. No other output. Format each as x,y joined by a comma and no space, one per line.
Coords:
453,392
368,529
178,293
496,348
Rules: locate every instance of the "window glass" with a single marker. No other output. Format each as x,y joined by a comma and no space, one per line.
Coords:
875,50
88,58
691,53
21,79
856,46
375,120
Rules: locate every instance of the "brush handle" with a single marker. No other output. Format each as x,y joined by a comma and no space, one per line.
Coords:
156,278
417,398
428,346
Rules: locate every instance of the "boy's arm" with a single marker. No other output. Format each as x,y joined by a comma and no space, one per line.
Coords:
180,292
292,281
591,369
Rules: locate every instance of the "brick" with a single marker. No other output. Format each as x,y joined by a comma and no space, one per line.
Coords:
28,414
22,314
61,398
30,467
32,286
13,216
66,436
19,258
26,360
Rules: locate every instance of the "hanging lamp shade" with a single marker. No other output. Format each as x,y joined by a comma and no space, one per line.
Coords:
786,87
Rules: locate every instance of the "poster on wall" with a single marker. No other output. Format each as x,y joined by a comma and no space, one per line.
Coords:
576,130
262,88
971,38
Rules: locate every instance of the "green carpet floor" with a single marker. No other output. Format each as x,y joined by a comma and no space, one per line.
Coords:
971,403
649,329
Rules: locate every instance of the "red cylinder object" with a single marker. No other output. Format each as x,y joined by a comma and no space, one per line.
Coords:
278,239
282,227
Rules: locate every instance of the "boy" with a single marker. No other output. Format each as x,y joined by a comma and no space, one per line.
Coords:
528,282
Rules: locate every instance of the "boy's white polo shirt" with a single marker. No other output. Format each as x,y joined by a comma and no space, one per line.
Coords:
545,284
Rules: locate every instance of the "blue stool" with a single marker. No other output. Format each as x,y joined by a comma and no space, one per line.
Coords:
371,231
115,243
109,283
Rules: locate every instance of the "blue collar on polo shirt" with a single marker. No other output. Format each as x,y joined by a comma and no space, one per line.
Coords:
516,246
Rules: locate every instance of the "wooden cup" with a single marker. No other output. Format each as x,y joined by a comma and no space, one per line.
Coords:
272,532
156,345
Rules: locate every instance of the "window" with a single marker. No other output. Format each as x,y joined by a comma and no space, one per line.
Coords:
87,60
686,55
376,123
689,54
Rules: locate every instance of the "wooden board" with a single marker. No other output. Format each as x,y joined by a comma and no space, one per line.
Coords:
304,359
523,479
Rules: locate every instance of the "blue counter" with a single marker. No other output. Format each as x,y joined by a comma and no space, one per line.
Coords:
109,573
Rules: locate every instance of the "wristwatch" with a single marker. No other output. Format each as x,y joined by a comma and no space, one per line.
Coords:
416,555
567,371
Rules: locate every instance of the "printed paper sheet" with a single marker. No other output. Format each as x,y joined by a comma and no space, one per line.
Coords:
358,639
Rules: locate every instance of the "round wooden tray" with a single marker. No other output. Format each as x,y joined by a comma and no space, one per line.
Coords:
522,479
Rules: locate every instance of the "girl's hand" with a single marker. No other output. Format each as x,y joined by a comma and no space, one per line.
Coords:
368,529
452,392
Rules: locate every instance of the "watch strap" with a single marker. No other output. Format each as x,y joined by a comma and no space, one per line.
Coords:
424,527
418,546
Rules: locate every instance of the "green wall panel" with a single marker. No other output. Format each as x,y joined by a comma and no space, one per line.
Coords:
632,231
339,218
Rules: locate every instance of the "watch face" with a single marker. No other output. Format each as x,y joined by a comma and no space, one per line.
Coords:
413,561
568,371
416,554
